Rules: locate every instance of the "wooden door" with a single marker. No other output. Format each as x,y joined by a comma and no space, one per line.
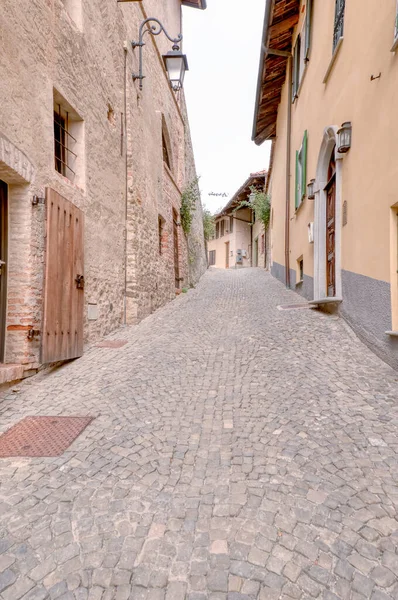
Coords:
62,335
227,255
3,265
176,252
331,229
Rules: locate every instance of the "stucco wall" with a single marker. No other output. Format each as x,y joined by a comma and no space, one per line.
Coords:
369,170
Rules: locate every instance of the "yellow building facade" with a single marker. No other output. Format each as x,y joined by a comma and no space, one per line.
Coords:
327,98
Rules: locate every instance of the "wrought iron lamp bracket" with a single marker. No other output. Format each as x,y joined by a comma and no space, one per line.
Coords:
156,29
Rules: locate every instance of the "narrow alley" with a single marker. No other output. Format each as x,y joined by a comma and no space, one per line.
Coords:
238,451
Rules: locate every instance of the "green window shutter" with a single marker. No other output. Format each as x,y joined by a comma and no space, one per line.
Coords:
304,165
308,24
297,182
295,72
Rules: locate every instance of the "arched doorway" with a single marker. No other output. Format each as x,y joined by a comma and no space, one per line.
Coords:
327,219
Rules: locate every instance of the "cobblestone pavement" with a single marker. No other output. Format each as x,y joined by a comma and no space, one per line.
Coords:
238,452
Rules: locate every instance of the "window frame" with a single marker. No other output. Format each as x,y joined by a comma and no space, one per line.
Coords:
338,25
301,172
395,43
212,258
222,228
217,230
231,224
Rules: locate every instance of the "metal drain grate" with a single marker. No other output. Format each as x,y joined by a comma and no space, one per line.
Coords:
111,344
292,306
41,436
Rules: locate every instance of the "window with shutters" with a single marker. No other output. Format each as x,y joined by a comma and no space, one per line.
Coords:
222,228
212,258
301,172
217,230
338,29
231,224
301,51
68,141
395,44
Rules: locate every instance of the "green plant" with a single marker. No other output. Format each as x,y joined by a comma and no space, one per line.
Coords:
209,224
260,202
189,198
184,290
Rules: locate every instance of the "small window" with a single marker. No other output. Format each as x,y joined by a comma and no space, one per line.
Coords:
395,44
166,157
301,172
222,228
262,243
231,224
68,141
161,223
217,230
300,269
338,29
74,10
212,258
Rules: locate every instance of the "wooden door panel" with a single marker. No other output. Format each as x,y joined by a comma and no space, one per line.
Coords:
62,336
331,238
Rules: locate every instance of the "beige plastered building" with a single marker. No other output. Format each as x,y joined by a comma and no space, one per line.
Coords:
239,241
91,175
324,64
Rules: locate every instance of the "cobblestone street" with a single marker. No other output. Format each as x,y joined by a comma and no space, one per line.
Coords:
238,452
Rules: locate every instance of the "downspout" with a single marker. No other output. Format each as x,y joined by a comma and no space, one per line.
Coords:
126,186
288,164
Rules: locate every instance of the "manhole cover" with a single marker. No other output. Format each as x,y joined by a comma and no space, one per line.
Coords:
112,344
292,306
41,436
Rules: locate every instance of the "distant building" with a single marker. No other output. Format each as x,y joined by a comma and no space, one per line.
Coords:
327,98
239,241
91,175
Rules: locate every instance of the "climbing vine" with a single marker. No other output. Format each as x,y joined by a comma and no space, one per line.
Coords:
189,199
209,224
260,202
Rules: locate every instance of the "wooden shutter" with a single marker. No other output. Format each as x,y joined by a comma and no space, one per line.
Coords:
304,165
62,335
295,72
308,23
297,181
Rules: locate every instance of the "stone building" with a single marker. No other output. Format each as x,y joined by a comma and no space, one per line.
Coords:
91,174
239,240
327,98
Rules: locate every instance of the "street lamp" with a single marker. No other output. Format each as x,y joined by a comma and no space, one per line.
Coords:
175,61
344,137
311,190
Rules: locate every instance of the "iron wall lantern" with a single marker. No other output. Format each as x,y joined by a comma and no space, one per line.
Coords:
175,61
344,137
311,190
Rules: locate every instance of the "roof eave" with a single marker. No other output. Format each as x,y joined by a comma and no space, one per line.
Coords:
263,53
200,4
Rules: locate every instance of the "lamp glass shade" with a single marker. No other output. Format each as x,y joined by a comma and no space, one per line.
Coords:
176,64
344,137
311,189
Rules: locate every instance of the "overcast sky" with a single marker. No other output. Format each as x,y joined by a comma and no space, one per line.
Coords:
222,44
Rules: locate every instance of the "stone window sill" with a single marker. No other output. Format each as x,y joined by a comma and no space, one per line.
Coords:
333,60
392,333
329,300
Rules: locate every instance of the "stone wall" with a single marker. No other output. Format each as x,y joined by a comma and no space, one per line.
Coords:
85,57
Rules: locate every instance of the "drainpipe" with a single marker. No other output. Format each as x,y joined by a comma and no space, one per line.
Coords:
288,164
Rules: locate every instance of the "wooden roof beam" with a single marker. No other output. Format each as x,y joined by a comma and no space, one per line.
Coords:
283,26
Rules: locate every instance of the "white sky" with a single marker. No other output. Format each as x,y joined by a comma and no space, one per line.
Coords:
222,44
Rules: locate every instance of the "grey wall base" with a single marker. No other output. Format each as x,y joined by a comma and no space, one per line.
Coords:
366,307
305,289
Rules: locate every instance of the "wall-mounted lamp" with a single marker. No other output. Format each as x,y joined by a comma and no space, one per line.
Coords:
175,61
311,190
344,137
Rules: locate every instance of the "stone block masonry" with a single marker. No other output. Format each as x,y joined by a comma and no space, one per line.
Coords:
79,54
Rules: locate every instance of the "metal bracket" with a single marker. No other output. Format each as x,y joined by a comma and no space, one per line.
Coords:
32,333
36,200
79,282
